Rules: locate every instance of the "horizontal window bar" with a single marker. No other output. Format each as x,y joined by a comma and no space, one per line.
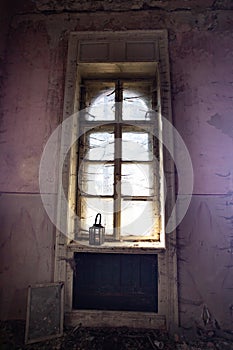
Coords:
133,198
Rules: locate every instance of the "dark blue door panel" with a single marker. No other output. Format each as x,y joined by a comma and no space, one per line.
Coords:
126,282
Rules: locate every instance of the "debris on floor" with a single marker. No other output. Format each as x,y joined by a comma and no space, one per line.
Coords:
123,338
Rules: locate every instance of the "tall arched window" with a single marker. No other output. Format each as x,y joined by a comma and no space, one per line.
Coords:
118,165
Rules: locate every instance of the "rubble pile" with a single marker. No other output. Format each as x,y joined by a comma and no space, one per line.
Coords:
123,338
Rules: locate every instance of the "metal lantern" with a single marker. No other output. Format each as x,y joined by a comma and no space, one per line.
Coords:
96,232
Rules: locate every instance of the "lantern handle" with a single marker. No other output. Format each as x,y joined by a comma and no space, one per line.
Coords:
97,218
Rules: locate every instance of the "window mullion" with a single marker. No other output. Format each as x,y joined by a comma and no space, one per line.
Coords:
117,159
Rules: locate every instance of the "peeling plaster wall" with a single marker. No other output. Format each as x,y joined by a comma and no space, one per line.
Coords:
27,238
202,78
201,56
31,108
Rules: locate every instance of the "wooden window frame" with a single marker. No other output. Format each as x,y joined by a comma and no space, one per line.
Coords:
118,47
117,126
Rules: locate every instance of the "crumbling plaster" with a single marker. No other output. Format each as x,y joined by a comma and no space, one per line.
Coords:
201,55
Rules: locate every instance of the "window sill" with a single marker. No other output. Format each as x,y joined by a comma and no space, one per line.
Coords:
117,247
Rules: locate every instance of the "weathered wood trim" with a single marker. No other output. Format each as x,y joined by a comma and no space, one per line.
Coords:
121,248
99,318
167,259
68,109
171,254
70,270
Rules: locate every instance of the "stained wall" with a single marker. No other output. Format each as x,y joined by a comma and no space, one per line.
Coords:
201,56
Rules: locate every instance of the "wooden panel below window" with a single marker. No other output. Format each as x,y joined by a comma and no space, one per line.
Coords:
126,282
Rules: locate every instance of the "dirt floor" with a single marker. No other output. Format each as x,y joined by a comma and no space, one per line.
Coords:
80,338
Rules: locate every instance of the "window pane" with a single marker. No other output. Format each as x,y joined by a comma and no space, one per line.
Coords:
138,218
101,100
101,146
137,180
136,146
137,98
90,207
96,178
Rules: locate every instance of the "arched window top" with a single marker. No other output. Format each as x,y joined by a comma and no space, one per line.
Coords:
135,102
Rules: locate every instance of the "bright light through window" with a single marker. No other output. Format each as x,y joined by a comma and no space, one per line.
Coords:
118,172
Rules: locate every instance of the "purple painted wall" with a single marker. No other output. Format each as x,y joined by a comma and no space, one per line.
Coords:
202,83
201,56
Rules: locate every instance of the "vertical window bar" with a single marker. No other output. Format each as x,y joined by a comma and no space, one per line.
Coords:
80,157
117,159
